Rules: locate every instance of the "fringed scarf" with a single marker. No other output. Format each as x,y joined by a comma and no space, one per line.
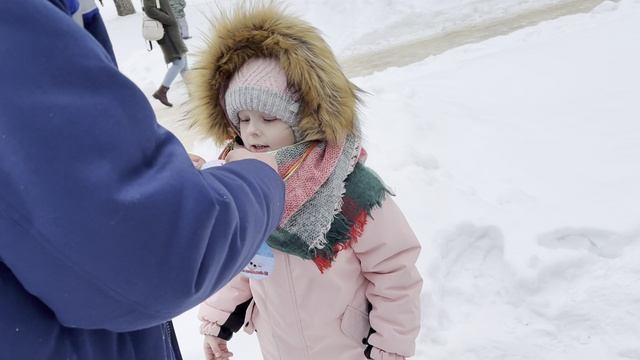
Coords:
327,202
329,195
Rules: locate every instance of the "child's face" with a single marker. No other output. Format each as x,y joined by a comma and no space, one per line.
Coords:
261,132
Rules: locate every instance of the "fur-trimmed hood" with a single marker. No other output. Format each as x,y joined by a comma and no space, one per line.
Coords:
328,98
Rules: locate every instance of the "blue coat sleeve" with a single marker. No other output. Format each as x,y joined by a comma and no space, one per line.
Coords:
93,23
103,218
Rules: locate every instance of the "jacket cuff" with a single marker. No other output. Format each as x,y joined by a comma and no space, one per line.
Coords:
213,329
219,323
374,353
209,328
396,345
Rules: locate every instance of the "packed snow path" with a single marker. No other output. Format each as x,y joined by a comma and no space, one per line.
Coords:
405,53
411,52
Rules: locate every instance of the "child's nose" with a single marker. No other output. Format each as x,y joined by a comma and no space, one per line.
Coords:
253,127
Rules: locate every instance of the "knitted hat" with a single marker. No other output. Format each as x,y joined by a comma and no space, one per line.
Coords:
261,85
328,100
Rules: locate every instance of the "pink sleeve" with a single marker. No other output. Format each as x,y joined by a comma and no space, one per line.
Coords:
388,251
215,311
377,354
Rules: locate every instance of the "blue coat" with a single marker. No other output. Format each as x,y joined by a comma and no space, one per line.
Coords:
106,229
86,14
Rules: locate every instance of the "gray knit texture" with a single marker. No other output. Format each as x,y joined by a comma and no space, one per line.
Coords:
264,100
313,220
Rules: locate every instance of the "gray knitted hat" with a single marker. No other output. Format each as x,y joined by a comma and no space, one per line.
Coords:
261,85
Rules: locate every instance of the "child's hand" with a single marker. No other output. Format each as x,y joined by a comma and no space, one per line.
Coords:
197,161
216,348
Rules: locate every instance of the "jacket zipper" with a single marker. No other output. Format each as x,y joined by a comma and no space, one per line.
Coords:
173,341
295,305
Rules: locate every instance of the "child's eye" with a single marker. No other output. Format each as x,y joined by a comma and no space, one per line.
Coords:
270,119
244,120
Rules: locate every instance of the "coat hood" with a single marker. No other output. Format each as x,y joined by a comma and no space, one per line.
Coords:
328,98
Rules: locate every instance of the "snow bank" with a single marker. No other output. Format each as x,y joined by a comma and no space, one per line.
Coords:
516,161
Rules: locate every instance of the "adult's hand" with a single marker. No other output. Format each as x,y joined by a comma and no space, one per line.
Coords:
243,154
197,161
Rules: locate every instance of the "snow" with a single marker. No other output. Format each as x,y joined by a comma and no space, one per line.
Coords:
515,159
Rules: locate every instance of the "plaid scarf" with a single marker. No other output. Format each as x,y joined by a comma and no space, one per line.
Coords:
329,196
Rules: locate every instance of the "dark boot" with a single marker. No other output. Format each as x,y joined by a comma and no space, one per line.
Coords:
161,94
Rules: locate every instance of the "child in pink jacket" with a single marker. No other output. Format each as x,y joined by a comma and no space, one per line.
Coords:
344,283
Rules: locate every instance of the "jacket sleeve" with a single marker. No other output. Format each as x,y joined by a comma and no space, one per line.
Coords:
102,216
152,11
388,251
93,23
224,312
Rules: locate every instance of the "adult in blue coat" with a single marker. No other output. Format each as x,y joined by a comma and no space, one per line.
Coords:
106,229
86,14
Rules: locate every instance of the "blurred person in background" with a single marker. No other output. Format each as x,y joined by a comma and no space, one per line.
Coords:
173,47
177,6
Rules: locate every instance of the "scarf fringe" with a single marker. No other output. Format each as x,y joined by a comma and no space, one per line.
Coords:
364,192
358,227
345,231
322,263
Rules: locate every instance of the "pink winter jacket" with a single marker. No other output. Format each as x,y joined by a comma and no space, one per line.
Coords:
299,313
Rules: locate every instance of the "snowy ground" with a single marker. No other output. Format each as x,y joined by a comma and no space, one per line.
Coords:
516,160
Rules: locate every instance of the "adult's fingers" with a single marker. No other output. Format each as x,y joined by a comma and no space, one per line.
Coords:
242,154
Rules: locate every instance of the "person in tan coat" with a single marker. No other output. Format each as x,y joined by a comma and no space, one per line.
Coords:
343,284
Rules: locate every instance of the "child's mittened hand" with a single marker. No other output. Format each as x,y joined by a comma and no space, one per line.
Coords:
197,161
216,348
